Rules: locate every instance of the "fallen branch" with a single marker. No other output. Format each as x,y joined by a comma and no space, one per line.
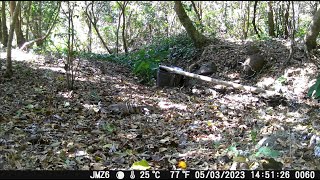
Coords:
217,81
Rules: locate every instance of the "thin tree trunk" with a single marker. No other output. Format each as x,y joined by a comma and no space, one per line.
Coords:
248,19
89,46
225,15
278,19
245,19
254,18
28,19
298,16
0,31
4,28
167,26
14,18
124,40
129,30
198,15
117,32
198,39
200,9
270,20
90,37
19,35
286,21
196,10
291,30
40,19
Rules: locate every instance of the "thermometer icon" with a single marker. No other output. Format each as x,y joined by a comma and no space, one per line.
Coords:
132,176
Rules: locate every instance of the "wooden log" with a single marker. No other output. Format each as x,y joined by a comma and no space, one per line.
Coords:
220,82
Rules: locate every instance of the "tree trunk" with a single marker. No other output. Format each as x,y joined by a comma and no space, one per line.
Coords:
19,35
291,30
198,15
40,19
298,16
225,16
14,18
198,39
196,10
313,32
89,37
129,33
89,46
278,19
94,22
286,21
124,39
28,19
270,20
167,25
0,30
117,32
254,18
245,19
4,39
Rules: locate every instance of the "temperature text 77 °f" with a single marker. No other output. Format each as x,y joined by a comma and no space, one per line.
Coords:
176,174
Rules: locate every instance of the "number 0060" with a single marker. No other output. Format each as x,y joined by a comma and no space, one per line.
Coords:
304,174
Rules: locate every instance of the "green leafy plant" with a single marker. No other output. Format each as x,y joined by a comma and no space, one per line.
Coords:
145,69
267,152
314,90
109,128
282,80
145,61
252,156
141,165
253,134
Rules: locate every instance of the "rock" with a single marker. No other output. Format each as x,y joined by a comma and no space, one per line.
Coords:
207,69
169,79
253,64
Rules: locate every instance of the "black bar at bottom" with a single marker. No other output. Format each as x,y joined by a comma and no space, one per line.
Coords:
155,174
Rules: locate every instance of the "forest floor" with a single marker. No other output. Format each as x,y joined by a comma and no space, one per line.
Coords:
45,126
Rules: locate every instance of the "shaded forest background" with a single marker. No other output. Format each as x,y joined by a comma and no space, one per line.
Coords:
80,85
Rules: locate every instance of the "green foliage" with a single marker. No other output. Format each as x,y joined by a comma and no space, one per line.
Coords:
140,165
245,155
46,10
145,62
182,48
282,80
264,36
267,152
303,28
109,128
253,134
314,90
